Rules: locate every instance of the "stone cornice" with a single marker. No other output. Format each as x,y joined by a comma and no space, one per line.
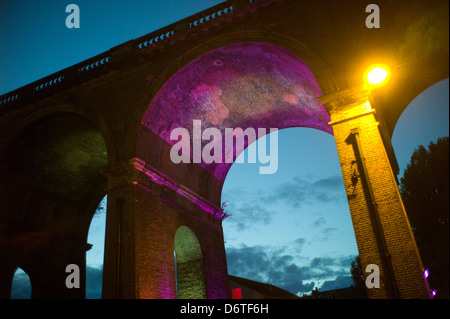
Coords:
135,170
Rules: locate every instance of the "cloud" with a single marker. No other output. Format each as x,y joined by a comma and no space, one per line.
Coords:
278,265
331,183
327,233
256,263
248,214
284,265
251,215
300,242
319,222
301,190
250,208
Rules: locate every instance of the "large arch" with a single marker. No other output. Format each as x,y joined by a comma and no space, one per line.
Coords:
239,85
52,186
247,85
257,85
418,57
424,121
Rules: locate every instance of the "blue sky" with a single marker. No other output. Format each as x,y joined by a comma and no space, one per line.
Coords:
294,228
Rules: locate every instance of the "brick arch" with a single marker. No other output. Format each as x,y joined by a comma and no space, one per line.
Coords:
50,189
97,119
418,59
150,135
322,72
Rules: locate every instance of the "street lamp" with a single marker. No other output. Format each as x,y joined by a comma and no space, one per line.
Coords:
377,75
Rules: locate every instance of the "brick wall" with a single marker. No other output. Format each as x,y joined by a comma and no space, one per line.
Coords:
382,230
143,217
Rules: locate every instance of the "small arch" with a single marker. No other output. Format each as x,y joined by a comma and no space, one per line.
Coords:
189,273
21,285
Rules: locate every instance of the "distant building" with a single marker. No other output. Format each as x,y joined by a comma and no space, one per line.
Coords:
242,288
342,293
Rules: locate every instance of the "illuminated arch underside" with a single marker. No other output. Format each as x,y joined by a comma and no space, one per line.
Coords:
248,84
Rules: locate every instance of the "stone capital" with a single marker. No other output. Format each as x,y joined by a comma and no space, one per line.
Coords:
122,173
137,172
347,104
345,98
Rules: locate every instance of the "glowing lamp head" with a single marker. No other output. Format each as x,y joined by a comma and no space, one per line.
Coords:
426,273
377,75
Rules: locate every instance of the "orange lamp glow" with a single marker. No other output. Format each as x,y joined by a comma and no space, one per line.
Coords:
377,75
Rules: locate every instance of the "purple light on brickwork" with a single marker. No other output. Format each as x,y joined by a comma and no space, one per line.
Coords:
426,274
162,179
240,85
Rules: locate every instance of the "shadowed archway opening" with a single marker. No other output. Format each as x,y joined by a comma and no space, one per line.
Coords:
291,229
190,278
53,168
425,120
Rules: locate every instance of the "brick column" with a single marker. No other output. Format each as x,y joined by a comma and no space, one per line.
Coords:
46,267
7,270
145,209
382,229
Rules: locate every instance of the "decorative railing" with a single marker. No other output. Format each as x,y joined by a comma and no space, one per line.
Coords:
102,63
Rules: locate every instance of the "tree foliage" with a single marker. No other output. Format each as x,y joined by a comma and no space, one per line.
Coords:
358,278
424,189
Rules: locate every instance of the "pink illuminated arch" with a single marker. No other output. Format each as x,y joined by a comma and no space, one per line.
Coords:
245,84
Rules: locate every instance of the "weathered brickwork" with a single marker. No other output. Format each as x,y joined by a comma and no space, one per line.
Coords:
381,226
140,243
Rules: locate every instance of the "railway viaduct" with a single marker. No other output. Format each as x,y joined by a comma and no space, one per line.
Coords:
103,127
